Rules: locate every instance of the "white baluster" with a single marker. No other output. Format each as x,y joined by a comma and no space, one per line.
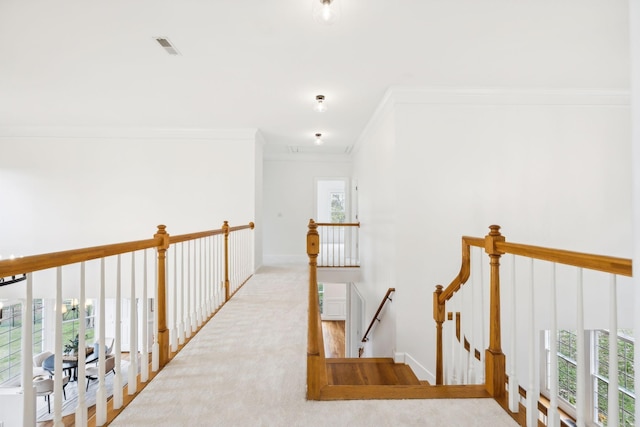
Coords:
181,326
155,349
57,384
533,392
117,379
514,385
582,410
193,305
613,401
553,418
174,304
471,373
101,394
81,409
483,316
132,385
144,319
28,392
211,281
201,302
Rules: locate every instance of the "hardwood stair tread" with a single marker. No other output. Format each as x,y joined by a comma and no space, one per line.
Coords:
369,371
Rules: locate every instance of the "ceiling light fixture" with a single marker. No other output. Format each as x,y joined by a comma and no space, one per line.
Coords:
326,11
320,106
319,140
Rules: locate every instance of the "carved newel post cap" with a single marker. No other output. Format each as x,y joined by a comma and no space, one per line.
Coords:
495,230
162,229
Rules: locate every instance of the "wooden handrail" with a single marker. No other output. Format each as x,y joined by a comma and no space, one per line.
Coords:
387,297
28,264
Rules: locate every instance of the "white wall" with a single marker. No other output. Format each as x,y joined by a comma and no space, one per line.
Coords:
550,167
74,191
289,203
374,169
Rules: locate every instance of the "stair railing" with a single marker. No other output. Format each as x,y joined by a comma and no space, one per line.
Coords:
316,363
338,244
494,245
195,274
387,297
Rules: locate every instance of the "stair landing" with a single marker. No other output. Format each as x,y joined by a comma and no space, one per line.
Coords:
381,378
369,371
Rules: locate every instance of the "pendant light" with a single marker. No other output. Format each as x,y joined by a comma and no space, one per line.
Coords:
319,140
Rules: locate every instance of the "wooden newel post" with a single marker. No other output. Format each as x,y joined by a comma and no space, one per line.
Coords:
316,370
163,332
225,228
438,315
494,358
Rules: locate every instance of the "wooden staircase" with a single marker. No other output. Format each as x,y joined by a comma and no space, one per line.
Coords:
381,378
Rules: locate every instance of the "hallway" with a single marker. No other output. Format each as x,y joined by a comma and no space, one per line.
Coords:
247,368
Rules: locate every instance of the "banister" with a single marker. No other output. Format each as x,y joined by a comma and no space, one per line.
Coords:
28,264
375,316
607,264
495,246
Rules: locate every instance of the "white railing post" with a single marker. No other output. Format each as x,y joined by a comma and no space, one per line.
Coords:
613,395
181,326
28,393
533,393
514,385
57,377
117,379
132,385
173,334
144,358
582,409
101,394
81,409
553,418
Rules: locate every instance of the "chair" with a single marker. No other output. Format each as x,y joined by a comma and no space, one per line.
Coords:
44,387
108,344
38,360
92,373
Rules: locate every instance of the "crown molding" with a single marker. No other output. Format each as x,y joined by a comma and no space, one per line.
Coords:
127,133
401,95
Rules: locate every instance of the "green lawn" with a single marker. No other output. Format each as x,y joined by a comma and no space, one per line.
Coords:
11,342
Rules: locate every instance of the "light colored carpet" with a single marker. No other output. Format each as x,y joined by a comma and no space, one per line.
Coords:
247,367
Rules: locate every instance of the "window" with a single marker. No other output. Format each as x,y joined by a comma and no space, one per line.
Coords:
337,207
321,296
70,321
11,338
600,375
597,353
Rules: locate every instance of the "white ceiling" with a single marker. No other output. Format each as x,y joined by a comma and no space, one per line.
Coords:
260,63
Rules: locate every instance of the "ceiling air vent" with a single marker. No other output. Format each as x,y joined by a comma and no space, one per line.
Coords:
293,149
166,45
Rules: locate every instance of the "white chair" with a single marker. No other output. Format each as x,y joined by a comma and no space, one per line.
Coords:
38,360
44,387
92,373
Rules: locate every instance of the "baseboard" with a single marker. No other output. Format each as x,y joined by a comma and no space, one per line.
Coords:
421,372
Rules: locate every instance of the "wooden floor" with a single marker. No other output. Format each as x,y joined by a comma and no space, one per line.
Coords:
334,338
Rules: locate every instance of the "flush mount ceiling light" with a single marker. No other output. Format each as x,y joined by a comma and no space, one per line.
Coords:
326,11
319,140
320,106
